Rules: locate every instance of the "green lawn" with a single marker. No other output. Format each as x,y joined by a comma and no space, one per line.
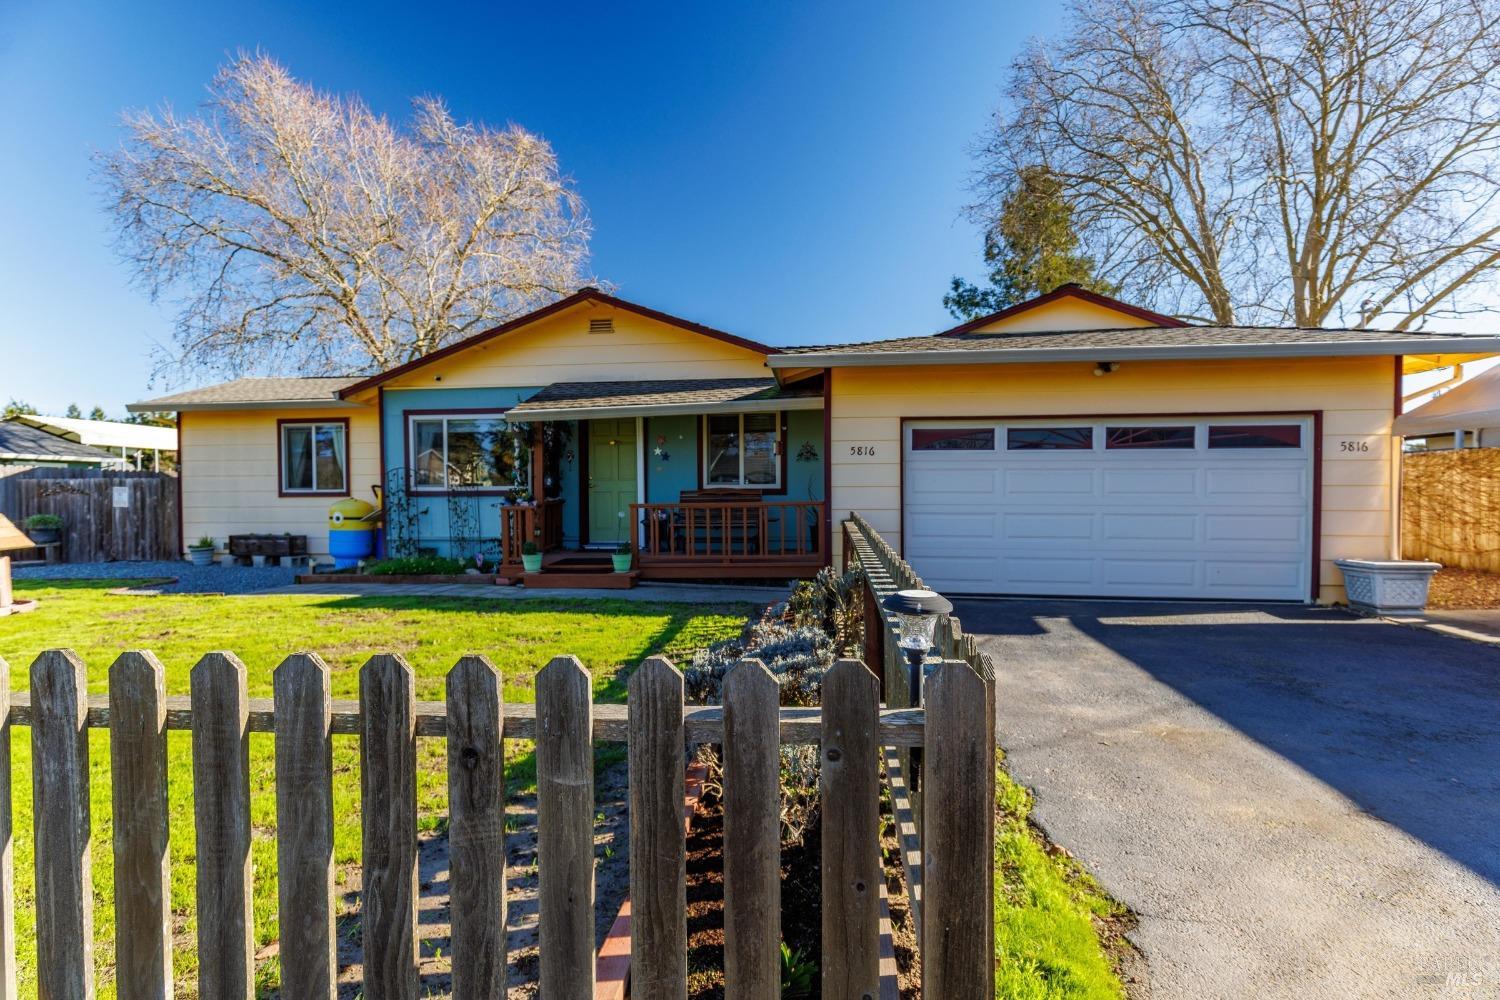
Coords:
519,637
1054,925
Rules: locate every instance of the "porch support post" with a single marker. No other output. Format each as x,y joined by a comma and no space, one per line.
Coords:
538,463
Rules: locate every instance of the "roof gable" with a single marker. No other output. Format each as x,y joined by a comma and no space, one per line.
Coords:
582,297
1091,311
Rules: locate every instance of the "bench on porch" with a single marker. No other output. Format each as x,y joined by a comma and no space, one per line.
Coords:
729,526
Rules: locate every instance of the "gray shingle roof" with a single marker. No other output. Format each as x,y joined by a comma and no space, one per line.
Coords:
21,441
1140,341
249,391
674,392
1154,336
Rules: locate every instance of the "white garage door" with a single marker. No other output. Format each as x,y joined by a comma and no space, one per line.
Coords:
1181,507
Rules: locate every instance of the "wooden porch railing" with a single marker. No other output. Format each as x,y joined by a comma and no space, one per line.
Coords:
730,532
474,721
539,522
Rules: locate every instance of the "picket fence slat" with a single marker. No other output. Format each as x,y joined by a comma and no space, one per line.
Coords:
304,826
899,727
752,834
60,789
221,813
850,780
138,773
959,891
476,828
658,846
565,828
388,803
7,848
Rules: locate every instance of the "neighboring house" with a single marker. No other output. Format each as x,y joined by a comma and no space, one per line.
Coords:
1465,416
21,443
1072,445
140,445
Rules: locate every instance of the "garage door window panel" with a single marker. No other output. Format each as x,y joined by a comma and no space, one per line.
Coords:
953,439
1049,438
1255,436
1156,438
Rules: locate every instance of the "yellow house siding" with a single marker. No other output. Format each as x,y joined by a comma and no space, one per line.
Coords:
1355,395
231,478
561,349
1065,314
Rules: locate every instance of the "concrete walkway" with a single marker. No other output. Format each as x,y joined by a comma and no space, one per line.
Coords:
1299,804
661,593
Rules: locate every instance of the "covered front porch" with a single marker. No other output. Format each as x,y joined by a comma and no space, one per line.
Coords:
696,479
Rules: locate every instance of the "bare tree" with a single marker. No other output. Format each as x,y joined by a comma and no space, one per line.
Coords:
303,232
1303,161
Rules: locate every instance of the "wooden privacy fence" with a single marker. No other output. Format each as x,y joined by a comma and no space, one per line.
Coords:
107,514
474,721
1450,507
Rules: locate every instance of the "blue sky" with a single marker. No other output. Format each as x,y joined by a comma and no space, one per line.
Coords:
791,172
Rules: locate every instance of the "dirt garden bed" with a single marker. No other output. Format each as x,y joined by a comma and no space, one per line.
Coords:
1464,589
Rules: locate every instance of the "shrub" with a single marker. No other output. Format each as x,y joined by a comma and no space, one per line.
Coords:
43,522
798,656
834,603
416,566
529,549
204,543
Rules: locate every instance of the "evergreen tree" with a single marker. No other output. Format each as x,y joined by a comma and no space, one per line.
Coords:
1030,250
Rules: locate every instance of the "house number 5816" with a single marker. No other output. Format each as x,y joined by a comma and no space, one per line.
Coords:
861,449
1354,446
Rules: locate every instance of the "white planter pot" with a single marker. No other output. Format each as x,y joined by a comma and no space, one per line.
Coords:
201,557
1387,586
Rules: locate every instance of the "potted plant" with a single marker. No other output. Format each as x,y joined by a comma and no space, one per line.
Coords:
202,551
622,557
531,557
44,529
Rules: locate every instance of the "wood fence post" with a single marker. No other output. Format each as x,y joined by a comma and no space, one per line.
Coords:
850,780
60,789
388,800
7,848
138,773
304,826
658,845
476,830
221,813
958,890
565,827
752,833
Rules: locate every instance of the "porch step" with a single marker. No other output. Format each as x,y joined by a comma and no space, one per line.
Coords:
575,579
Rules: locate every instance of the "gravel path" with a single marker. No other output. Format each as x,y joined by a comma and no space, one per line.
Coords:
190,579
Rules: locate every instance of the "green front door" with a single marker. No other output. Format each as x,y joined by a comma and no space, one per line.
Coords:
611,479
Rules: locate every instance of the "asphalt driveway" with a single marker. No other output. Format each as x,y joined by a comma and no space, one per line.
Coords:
1297,803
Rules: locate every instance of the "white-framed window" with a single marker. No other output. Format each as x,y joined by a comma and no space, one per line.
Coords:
742,450
314,457
461,451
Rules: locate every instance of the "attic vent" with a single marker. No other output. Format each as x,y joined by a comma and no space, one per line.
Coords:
601,326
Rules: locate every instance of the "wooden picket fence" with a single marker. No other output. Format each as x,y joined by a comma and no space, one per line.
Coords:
885,572
853,728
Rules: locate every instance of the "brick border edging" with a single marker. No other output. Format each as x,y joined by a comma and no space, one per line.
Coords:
612,967
471,579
